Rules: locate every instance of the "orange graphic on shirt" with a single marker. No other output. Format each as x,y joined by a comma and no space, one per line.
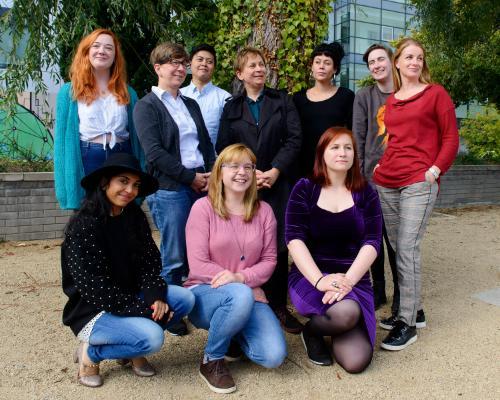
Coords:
382,134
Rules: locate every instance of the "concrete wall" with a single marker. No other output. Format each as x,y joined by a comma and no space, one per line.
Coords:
29,211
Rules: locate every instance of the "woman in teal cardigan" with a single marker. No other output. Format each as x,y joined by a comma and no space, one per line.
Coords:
93,115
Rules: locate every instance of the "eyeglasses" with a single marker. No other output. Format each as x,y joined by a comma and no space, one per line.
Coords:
233,167
176,63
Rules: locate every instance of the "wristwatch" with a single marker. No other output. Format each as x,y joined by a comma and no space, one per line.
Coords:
434,172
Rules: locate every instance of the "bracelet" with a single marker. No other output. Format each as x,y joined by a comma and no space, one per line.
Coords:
316,285
434,172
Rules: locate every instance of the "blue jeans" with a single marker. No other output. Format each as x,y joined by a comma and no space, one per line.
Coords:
230,311
114,337
170,210
93,154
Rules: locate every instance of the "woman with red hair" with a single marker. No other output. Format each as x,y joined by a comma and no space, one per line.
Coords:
93,115
333,232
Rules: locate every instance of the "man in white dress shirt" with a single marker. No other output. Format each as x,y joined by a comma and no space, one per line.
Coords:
210,98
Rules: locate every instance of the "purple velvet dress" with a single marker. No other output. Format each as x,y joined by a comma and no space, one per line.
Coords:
334,240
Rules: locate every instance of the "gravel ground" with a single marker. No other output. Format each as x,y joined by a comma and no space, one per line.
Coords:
456,356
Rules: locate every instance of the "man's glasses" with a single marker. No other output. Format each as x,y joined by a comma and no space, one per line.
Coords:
176,63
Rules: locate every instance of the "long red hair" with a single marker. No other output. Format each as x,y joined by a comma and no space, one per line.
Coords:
354,180
82,76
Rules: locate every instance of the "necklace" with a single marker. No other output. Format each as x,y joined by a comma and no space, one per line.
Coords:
241,248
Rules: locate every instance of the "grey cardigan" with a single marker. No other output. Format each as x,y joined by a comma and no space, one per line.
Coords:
159,137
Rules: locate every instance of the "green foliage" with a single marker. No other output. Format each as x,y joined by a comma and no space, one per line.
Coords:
53,28
10,165
482,135
287,32
463,44
366,81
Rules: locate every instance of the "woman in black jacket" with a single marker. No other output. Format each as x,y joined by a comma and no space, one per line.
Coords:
118,304
267,122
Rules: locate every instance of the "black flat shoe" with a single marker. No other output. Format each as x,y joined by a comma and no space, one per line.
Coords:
178,329
316,349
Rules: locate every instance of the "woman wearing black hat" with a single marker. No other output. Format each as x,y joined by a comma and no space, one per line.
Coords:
118,303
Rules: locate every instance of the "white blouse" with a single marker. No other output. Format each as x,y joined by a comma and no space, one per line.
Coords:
102,119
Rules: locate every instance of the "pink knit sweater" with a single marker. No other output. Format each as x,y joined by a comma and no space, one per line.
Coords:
214,244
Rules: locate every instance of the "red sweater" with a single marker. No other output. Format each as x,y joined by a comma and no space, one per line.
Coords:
422,132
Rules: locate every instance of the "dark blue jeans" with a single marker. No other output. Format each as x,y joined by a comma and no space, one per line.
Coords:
93,154
170,211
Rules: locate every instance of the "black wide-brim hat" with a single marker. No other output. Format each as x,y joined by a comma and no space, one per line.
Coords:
120,162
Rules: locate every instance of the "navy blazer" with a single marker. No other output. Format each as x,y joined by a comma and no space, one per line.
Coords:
159,137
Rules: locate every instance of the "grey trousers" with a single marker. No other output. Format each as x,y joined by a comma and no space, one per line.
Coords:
406,213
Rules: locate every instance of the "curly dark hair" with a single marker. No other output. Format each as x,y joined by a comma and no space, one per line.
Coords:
333,50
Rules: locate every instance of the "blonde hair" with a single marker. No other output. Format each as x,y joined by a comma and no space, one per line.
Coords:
242,57
216,195
425,76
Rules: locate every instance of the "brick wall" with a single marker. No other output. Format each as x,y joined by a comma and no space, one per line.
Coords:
28,208
465,185
29,211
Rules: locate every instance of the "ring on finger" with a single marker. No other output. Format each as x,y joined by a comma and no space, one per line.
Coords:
335,284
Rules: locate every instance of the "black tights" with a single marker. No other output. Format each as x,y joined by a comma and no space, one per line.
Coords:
351,346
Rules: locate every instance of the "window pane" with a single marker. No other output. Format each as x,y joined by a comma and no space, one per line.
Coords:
337,32
368,14
367,31
393,6
392,18
387,33
371,3
360,71
398,33
363,44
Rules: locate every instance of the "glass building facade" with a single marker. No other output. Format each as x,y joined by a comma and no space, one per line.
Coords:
357,24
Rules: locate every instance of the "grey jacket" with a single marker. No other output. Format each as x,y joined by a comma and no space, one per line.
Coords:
369,128
159,137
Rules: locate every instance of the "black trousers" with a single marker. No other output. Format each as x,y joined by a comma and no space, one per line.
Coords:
377,269
276,288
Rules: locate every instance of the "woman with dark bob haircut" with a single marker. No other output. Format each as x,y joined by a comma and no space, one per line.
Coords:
118,304
324,105
333,232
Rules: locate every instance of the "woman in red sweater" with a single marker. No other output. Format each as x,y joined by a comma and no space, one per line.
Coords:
423,142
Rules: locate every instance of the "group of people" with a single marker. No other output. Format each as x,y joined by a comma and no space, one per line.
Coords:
236,185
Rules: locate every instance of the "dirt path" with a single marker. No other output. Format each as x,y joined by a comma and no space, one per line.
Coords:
456,356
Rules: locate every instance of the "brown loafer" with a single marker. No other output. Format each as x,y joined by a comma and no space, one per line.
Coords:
145,370
88,374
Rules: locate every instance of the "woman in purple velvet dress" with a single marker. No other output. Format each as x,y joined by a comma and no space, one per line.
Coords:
333,232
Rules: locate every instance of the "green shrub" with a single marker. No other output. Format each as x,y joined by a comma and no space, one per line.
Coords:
482,135
10,165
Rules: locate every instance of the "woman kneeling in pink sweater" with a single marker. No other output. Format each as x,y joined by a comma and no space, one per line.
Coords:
231,247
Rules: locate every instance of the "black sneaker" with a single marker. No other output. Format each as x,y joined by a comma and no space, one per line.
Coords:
288,322
234,352
401,336
178,329
388,323
316,349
